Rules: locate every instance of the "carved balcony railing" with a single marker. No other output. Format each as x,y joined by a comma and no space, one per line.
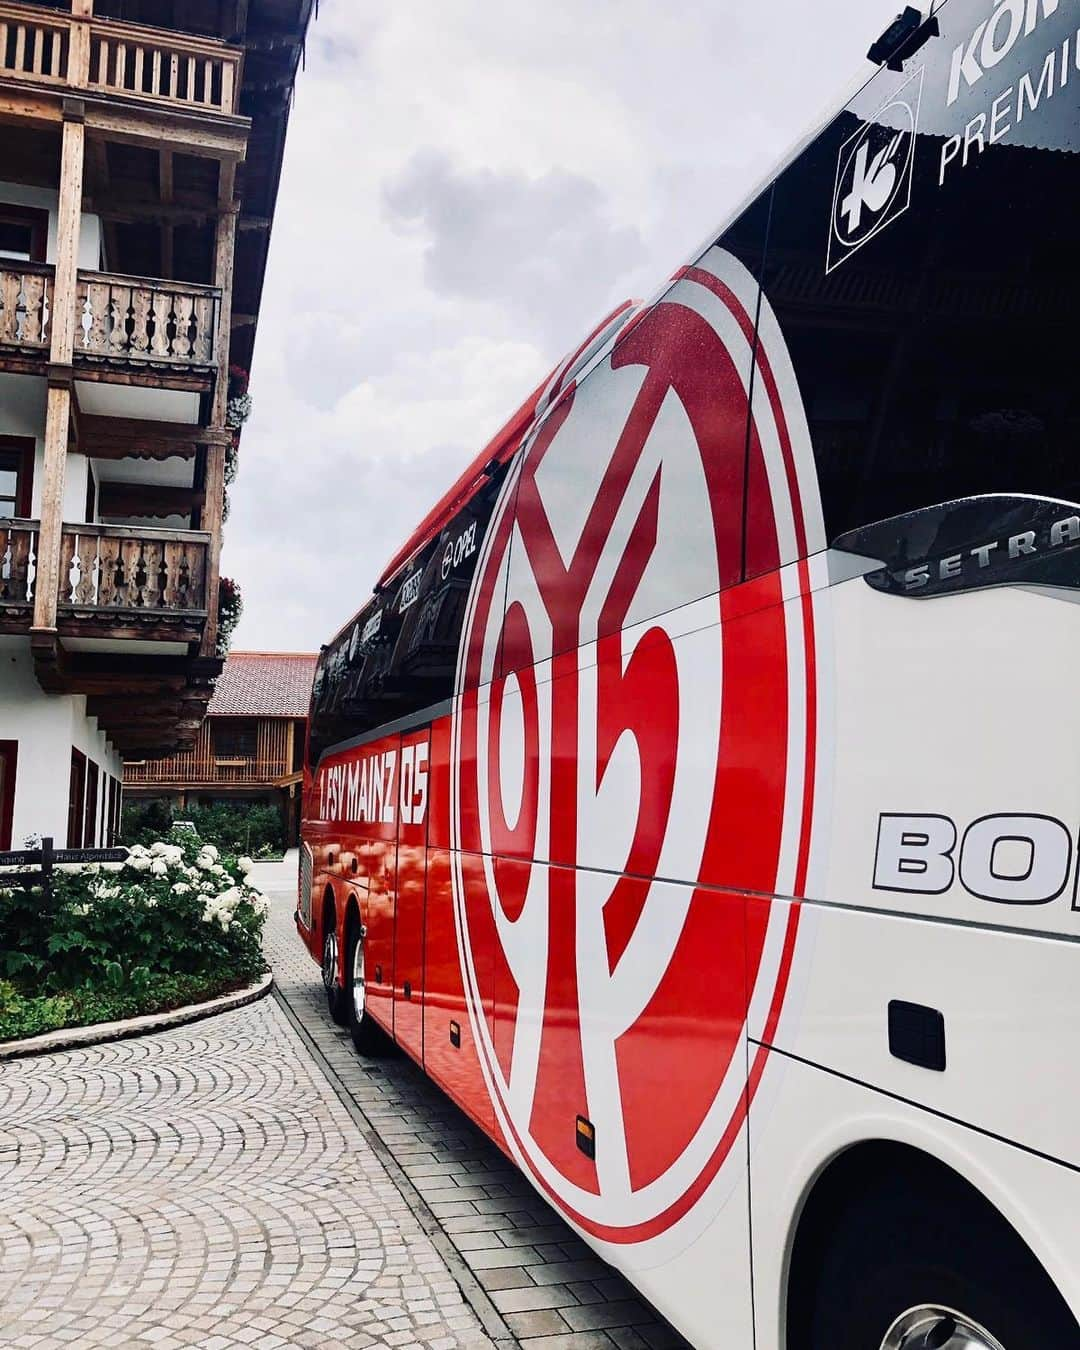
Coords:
18,564
140,63
135,319
196,72
35,43
155,575
25,305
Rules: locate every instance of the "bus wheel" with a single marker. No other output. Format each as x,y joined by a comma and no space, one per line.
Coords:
908,1266
335,995
367,1037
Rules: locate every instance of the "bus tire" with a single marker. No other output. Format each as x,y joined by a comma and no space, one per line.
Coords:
903,1267
336,997
366,1035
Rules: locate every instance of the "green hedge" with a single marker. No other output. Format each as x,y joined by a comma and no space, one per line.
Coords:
255,830
175,923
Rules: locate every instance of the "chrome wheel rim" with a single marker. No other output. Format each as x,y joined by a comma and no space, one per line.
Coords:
930,1327
329,960
358,981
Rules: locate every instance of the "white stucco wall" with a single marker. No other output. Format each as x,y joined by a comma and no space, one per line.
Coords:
46,727
45,199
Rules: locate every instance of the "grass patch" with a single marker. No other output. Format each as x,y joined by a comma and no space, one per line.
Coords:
23,1015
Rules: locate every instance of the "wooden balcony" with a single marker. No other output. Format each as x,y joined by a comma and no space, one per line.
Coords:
204,767
141,321
115,581
129,328
149,65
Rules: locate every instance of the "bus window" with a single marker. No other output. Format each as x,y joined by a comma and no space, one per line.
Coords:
397,659
933,333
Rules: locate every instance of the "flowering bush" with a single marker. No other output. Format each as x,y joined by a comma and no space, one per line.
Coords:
230,607
174,921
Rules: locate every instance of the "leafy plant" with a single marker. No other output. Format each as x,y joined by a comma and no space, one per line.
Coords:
255,830
109,938
230,608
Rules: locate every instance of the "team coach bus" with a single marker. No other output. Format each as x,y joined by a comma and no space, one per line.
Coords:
696,796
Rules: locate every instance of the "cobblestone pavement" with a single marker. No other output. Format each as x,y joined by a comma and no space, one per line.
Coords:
546,1287
249,1182
205,1188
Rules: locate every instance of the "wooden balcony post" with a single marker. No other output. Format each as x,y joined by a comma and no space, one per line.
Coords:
215,453
82,11
61,348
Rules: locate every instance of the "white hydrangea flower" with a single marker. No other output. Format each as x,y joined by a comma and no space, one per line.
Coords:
140,862
210,851
106,892
246,865
80,910
180,888
159,867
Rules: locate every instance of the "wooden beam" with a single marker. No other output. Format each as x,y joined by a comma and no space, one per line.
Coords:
146,499
61,349
127,437
153,377
188,133
213,511
116,210
165,191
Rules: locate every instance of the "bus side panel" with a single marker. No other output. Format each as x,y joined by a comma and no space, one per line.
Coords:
803,1119
450,1054
411,805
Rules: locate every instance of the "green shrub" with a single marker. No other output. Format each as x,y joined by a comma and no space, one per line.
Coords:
113,939
255,830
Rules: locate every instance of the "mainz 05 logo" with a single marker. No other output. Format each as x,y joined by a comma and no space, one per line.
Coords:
874,173
601,739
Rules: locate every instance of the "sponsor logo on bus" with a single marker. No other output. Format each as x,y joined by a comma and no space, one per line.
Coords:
410,589
874,173
1011,859
457,550
992,41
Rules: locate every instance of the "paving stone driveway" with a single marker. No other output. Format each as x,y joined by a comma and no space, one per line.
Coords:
249,1182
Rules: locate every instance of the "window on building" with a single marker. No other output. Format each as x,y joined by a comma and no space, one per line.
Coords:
16,475
90,824
23,232
8,755
235,738
76,799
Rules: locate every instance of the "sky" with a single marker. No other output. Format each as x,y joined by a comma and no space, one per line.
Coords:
468,187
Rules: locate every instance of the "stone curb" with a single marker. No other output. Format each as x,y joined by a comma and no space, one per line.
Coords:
72,1038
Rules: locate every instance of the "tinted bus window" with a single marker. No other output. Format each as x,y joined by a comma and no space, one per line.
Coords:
926,283
399,655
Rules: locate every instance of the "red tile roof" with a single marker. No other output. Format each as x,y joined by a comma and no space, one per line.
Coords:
264,684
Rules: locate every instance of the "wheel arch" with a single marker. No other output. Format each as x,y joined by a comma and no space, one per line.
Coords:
842,1180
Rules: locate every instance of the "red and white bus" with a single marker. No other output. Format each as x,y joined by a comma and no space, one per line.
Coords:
697,796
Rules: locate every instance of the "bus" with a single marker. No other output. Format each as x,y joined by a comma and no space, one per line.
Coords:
696,796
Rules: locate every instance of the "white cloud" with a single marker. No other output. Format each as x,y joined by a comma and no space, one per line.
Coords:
467,187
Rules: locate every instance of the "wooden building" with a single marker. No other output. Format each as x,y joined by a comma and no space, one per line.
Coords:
140,150
249,749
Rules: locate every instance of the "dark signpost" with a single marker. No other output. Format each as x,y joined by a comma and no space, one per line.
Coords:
41,862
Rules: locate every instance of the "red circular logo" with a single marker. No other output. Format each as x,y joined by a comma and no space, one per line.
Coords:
633,754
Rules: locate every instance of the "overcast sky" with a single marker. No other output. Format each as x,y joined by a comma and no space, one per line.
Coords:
469,186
